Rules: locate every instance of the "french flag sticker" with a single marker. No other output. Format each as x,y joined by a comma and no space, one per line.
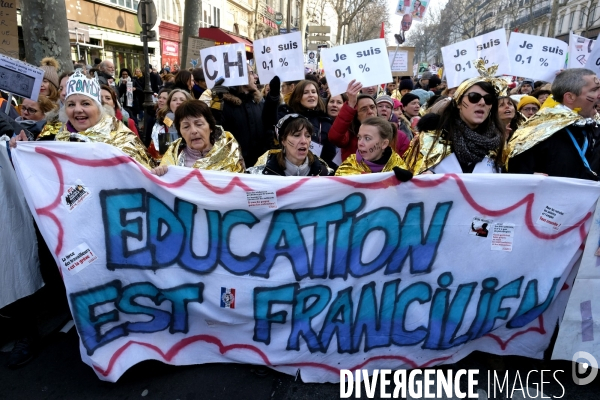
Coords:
227,298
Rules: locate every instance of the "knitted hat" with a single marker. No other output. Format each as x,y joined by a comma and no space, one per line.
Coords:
396,103
406,84
50,67
407,98
385,99
434,81
423,95
78,83
528,100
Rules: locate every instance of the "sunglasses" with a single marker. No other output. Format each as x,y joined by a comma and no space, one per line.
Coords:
475,98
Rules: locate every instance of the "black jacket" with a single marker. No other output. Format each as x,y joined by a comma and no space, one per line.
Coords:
557,156
321,123
137,104
242,116
317,168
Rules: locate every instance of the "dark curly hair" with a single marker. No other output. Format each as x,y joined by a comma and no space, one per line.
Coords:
197,109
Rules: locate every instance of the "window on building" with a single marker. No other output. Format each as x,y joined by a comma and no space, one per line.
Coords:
571,18
593,14
582,15
217,17
561,19
543,32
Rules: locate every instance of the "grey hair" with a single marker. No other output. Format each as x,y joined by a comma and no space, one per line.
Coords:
104,110
569,80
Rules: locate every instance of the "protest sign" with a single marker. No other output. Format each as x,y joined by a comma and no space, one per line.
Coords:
9,41
311,57
579,49
541,56
593,61
459,58
20,78
227,62
201,266
578,334
192,58
367,62
401,61
280,55
20,267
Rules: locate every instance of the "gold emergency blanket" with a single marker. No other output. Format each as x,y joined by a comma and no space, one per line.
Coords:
539,128
351,166
50,129
111,131
225,155
430,152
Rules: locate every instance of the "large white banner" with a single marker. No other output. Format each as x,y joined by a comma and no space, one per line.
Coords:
310,274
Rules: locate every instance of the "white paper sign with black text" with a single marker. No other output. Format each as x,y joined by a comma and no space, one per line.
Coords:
536,56
280,55
367,62
579,50
593,61
227,62
20,78
459,58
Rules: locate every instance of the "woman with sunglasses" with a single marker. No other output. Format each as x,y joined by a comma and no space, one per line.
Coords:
294,158
469,135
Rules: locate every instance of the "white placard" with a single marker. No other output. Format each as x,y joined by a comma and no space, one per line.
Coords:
280,55
536,56
593,61
579,50
367,62
228,62
399,60
311,57
20,78
459,58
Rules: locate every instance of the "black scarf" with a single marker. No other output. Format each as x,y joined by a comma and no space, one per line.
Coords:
470,146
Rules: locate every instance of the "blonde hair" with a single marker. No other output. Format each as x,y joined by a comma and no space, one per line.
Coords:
162,113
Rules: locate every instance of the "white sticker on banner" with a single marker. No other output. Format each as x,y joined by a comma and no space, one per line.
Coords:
280,55
536,55
78,258
366,62
316,148
480,227
227,62
551,217
261,199
75,195
579,50
502,237
459,58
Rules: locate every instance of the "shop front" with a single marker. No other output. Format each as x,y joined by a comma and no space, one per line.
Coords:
170,43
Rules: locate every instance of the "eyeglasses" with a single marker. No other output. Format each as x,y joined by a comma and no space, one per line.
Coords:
367,108
530,109
475,98
28,110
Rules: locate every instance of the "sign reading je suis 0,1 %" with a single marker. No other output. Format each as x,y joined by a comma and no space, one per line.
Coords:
523,60
459,67
342,73
269,64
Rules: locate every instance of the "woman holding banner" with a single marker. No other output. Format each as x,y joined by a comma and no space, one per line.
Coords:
294,133
201,144
469,136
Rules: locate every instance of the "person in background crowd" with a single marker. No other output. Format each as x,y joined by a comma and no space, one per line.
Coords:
265,90
469,136
423,82
557,141
411,104
199,83
138,73
161,102
86,120
374,153
399,141
508,115
97,62
526,86
325,93
406,85
168,81
134,107
306,101
423,95
164,132
370,91
53,123
528,106
390,87
294,158
109,98
398,110
50,83
202,144
435,85
542,93
106,72
287,88
343,132
334,104
184,80
33,114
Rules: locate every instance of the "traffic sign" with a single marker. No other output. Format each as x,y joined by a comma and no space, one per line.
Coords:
278,18
147,13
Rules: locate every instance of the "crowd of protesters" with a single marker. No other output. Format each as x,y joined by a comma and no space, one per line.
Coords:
411,126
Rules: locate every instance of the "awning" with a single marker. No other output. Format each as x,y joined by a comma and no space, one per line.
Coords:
223,37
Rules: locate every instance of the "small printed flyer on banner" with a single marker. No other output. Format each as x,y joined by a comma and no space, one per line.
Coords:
261,199
502,237
528,53
480,227
280,55
75,195
551,217
366,62
78,258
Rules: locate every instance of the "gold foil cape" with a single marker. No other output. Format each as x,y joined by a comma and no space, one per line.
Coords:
225,155
431,152
111,131
540,127
50,129
351,166
485,75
